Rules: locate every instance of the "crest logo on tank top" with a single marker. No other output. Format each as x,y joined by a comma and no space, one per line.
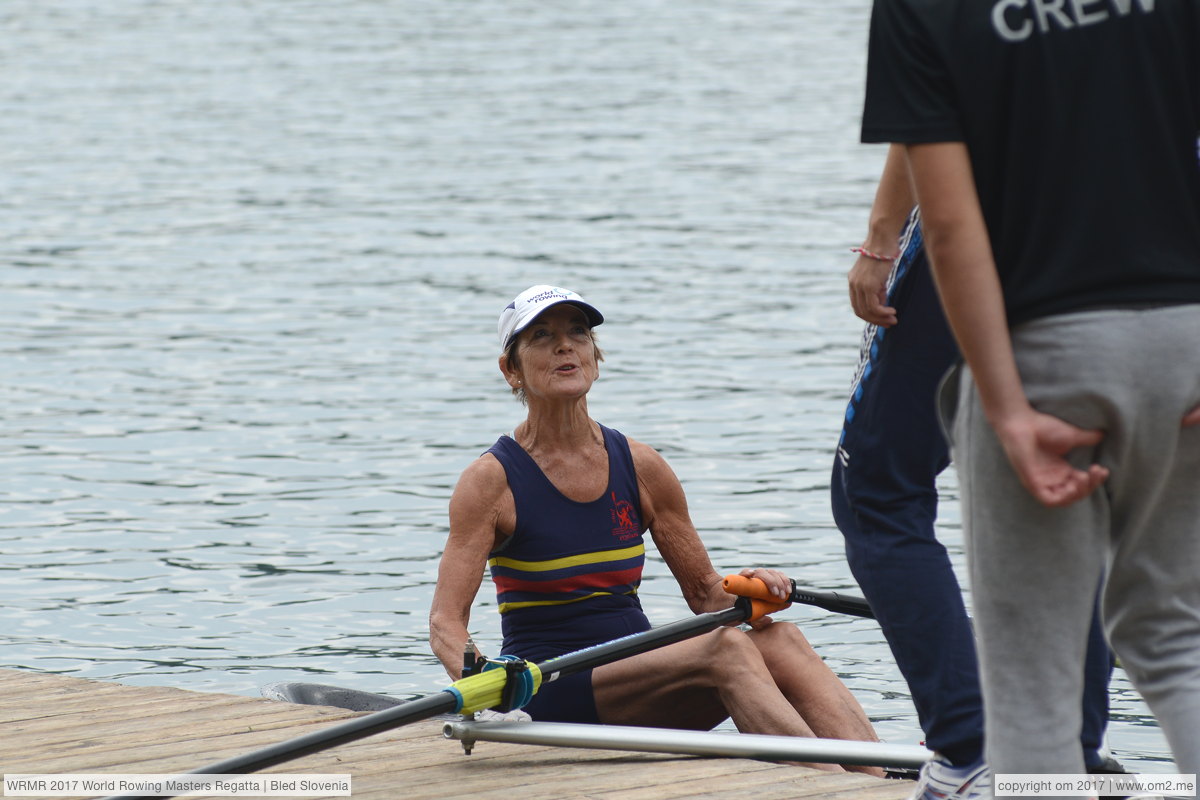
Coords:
626,524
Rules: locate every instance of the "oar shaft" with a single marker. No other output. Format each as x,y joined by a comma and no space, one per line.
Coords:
358,728
446,702
641,642
343,733
832,601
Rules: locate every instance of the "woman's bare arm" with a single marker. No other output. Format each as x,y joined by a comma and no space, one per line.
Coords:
665,512
478,510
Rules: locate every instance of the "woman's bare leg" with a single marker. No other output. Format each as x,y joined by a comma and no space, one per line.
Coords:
812,688
697,683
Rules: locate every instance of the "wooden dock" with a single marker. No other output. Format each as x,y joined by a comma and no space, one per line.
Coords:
50,724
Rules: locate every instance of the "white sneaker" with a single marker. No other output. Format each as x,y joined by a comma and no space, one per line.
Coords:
940,780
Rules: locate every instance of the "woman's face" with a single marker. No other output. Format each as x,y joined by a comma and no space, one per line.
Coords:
556,355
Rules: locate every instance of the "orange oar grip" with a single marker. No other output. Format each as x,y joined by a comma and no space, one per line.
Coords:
759,608
753,588
761,600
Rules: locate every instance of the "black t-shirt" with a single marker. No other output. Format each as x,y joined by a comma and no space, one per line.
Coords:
1081,118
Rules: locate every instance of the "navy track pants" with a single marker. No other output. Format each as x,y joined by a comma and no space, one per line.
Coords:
885,504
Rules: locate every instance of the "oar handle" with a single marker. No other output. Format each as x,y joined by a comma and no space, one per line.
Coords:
757,591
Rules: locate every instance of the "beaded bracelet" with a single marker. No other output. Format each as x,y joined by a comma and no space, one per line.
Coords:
862,251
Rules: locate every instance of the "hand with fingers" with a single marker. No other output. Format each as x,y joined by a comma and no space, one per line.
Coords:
779,588
867,281
1037,445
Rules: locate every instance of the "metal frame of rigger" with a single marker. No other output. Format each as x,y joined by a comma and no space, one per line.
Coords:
683,742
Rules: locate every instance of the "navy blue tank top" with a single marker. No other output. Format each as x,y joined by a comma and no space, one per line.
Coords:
568,576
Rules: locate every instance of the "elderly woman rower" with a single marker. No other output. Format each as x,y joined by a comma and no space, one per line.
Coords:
557,510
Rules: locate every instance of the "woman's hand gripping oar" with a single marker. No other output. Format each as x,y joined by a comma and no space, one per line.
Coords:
509,687
757,591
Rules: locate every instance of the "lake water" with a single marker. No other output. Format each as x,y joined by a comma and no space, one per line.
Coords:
253,255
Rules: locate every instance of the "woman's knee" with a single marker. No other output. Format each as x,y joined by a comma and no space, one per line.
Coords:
727,640
782,635
785,649
731,651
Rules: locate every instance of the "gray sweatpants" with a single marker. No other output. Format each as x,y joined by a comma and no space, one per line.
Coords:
1034,570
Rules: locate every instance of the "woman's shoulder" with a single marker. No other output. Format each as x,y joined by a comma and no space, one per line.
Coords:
483,477
640,449
649,464
482,501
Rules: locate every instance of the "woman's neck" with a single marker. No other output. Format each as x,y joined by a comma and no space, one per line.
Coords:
558,426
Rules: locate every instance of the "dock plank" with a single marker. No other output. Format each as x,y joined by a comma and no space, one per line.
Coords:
55,724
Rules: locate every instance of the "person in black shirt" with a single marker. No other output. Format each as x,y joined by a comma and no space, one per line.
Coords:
1053,151
884,496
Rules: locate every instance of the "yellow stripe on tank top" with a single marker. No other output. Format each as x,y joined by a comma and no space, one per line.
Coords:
506,607
568,561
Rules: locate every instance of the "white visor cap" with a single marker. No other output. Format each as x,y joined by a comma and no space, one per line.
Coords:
523,310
